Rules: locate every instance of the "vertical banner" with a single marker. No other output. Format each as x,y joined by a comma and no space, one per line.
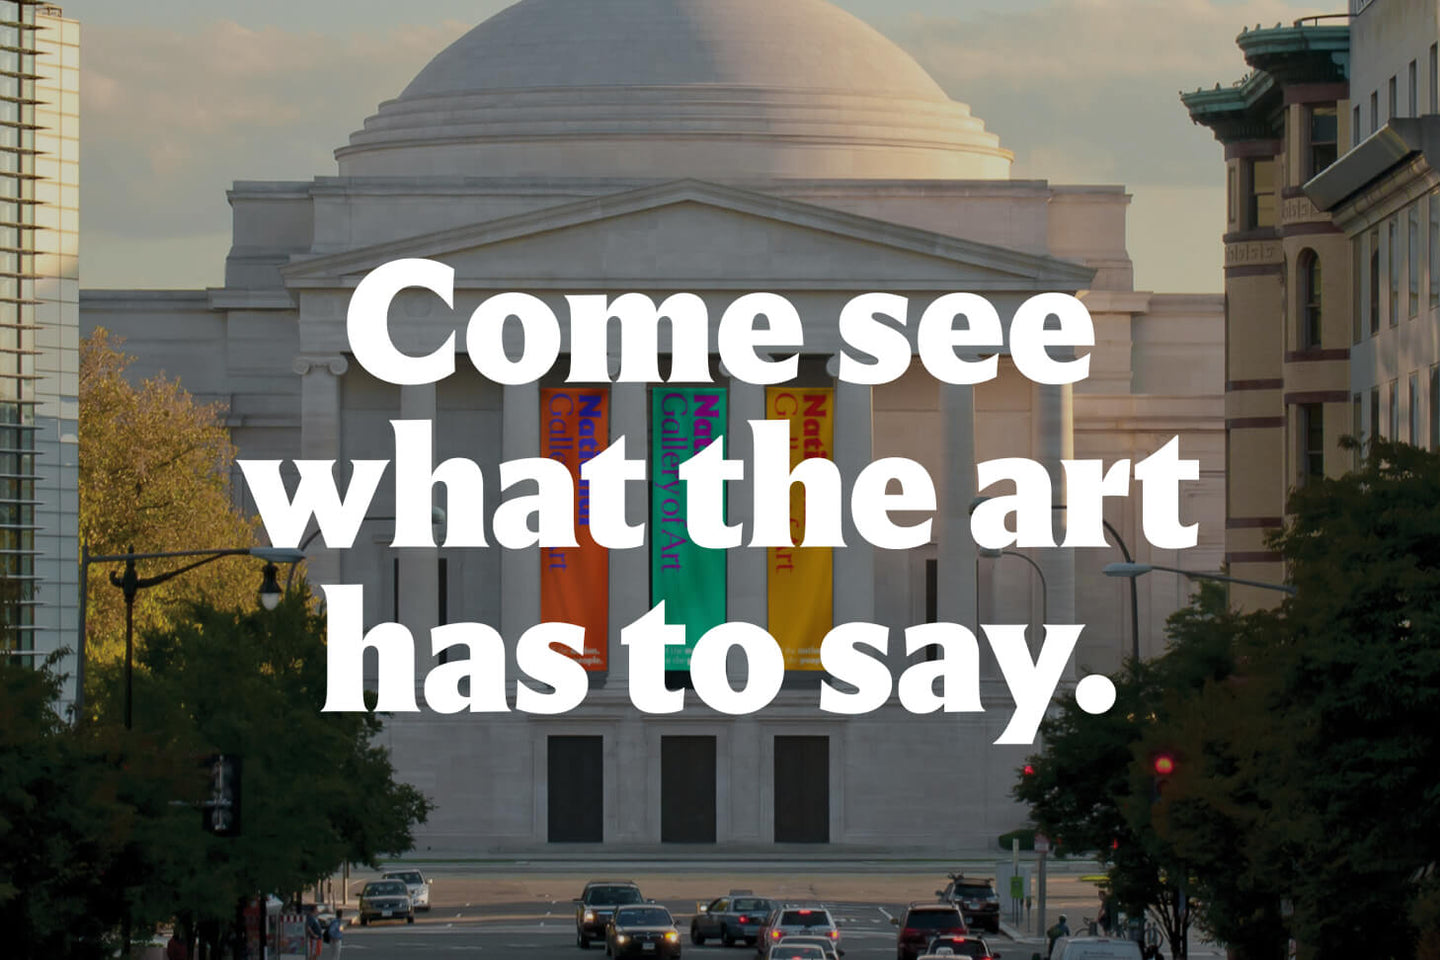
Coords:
575,581
689,579
801,581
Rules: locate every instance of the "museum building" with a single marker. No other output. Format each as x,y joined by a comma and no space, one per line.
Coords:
713,147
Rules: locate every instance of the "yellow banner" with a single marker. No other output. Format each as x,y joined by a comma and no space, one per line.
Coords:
801,582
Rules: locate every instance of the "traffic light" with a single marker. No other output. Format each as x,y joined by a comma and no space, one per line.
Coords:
1162,767
220,812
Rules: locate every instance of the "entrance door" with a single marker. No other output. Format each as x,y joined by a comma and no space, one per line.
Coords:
576,791
802,789
687,789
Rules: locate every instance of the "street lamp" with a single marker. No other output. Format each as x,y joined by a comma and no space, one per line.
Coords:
993,554
437,519
1133,570
131,583
1124,552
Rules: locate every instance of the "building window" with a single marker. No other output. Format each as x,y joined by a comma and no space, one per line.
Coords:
1324,137
1310,299
1374,112
1435,78
1374,415
1393,433
1414,92
1231,189
1374,282
1392,102
1434,407
1412,258
1312,441
1260,205
1356,429
1414,410
1392,305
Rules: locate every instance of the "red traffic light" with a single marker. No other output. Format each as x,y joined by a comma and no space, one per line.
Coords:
1164,765
1029,770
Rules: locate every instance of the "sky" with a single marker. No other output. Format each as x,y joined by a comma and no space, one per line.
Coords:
179,98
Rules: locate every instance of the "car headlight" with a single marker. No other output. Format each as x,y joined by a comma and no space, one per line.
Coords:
672,936
589,916
621,938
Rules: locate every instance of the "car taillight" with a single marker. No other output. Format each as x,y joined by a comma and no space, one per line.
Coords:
804,913
834,934
744,919
776,934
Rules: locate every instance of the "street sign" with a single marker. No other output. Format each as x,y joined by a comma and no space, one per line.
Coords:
1017,887
1042,843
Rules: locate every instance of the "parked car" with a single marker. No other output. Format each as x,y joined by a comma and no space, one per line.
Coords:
415,882
797,951
386,900
1096,948
642,930
958,946
923,922
976,898
730,919
826,945
795,919
596,905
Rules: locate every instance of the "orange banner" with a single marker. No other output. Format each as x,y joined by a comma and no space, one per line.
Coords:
801,581
575,581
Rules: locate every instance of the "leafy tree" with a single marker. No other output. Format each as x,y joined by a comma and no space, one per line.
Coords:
317,791
154,475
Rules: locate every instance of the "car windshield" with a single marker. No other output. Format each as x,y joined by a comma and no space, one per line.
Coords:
613,895
1102,950
974,891
409,876
804,918
384,888
751,905
932,919
799,951
643,917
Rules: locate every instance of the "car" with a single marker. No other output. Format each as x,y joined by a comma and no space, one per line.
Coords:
1096,948
796,919
416,883
826,945
922,922
642,930
976,898
960,946
730,919
797,951
386,900
596,905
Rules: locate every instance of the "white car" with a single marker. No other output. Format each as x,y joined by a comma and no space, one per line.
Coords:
415,883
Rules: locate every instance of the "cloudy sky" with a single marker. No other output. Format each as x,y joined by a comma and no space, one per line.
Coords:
181,97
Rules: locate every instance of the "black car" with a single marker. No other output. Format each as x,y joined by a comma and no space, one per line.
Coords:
643,930
976,899
730,920
594,907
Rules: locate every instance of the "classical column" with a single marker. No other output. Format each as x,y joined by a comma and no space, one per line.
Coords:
1053,440
320,440
519,569
957,598
745,566
419,586
854,566
629,569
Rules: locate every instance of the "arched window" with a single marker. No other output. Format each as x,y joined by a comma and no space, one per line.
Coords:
1309,299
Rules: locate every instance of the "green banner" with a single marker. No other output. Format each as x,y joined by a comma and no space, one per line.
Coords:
689,579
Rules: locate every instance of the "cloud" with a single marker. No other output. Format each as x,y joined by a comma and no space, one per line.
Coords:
172,117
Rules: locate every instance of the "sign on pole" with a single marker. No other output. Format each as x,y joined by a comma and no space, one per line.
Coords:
1042,843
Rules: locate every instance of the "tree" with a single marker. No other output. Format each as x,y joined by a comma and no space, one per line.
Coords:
317,791
154,476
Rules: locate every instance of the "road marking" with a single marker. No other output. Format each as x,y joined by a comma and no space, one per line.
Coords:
881,909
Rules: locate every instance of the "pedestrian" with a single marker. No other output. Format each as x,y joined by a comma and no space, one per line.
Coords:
314,933
1061,929
176,948
1103,918
335,933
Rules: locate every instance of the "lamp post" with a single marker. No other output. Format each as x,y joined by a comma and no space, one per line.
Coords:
1124,552
994,554
1134,570
131,583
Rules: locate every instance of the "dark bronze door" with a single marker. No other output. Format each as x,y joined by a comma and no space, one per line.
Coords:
687,789
576,805
802,789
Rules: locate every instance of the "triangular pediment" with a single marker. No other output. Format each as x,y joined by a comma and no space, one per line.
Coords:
690,234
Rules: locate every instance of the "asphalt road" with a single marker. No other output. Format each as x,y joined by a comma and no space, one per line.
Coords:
546,931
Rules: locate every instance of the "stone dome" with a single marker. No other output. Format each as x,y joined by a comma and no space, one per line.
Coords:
717,89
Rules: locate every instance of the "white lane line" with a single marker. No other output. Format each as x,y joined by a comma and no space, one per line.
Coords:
881,909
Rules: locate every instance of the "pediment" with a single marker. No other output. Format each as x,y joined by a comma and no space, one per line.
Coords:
694,235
